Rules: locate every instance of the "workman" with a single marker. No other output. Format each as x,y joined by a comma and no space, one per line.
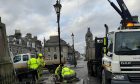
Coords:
65,72
41,62
33,67
68,73
58,71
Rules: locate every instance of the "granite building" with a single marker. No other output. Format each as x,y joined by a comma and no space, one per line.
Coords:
51,47
27,44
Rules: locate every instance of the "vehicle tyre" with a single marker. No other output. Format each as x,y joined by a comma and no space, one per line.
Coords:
88,68
104,78
94,73
90,71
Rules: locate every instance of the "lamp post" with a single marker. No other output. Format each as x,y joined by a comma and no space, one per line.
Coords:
57,7
74,59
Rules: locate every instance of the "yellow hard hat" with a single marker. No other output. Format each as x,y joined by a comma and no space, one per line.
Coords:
40,55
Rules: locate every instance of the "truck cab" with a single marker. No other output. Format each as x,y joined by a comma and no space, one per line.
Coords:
121,63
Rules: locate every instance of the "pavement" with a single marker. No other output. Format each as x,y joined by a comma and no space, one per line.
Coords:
82,73
47,78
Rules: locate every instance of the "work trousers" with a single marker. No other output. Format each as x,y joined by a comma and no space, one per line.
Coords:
34,74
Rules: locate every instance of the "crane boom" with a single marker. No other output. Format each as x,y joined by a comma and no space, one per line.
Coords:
123,11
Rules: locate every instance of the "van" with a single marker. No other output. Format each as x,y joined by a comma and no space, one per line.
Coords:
20,62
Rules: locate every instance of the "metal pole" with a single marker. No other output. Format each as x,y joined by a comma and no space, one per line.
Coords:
58,19
73,51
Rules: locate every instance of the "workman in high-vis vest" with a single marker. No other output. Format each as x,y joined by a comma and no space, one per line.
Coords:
58,71
33,67
41,62
68,73
65,73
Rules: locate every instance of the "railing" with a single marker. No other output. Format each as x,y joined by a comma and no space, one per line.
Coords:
12,79
8,79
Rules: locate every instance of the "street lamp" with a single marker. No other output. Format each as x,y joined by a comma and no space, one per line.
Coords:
57,7
74,59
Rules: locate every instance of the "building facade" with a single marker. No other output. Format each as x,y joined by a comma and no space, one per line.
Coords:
27,44
51,50
51,47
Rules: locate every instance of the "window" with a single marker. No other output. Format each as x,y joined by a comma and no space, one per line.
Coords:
48,49
110,47
17,42
17,58
54,49
32,55
110,43
55,56
25,57
61,56
127,43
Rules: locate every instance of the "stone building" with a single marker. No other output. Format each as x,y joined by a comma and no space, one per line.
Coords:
27,44
90,46
51,47
77,55
71,54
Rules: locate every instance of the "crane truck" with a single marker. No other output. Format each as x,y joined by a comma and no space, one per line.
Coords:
121,59
117,60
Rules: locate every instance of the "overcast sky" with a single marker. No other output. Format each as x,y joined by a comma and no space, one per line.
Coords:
39,18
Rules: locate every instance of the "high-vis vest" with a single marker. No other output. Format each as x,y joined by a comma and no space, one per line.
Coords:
41,62
32,63
66,72
72,72
57,71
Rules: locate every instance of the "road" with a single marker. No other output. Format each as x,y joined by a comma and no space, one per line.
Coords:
82,73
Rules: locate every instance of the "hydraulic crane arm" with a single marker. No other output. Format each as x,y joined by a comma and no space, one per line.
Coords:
116,8
124,12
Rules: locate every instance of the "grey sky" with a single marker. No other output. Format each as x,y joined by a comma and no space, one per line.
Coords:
38,17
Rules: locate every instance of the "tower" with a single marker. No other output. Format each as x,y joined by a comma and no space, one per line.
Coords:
89,45
88,37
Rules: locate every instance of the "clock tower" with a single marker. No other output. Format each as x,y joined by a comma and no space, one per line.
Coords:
90,47
88,37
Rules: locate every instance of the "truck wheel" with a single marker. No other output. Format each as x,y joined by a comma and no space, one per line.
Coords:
88,68
104,79
90,71
94,73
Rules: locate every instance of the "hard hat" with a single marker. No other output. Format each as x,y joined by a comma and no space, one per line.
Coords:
40,55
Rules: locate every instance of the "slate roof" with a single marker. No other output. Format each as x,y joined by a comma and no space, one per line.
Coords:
54,41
